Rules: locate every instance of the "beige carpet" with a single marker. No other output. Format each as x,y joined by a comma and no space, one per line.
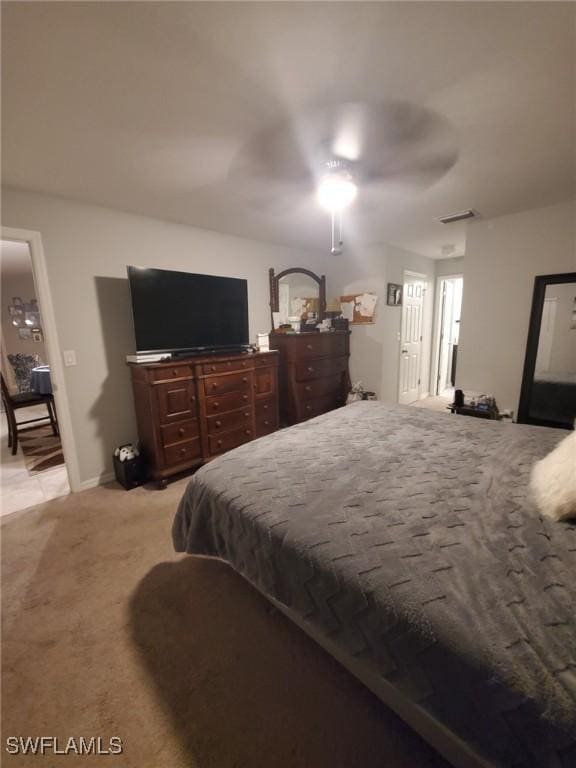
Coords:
107,633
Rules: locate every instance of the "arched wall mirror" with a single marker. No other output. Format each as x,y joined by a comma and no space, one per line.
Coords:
296,292
548,395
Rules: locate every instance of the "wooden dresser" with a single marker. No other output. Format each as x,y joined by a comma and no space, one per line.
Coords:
314,375
190,410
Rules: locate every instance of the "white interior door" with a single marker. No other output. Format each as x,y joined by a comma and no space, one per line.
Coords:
411,340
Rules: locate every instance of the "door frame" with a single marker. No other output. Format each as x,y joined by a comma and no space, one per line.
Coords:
435,356
33,239
408,273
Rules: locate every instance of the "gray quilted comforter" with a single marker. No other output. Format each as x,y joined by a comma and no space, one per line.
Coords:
409,538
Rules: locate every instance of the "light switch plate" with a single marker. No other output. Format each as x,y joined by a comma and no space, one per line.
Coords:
69,356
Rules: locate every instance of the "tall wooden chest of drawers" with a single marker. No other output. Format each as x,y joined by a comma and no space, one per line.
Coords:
190,410
314,375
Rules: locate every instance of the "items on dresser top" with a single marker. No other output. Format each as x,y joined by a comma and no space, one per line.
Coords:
313,377
193,409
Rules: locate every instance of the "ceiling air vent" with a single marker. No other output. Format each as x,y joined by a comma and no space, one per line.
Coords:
461,216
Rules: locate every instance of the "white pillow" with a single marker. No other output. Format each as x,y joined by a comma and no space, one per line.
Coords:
553,480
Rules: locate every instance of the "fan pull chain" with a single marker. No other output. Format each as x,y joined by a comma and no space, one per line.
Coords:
337,241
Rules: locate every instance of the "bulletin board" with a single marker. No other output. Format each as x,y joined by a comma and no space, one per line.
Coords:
359,308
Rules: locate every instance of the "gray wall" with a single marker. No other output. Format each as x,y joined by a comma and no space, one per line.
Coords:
87,249
449,266
503,256
375,349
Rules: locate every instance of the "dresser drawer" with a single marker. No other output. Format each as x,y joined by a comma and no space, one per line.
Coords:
233,382
228,366
268,358
176,400
179,432
265,381
321,345
229,402
318,369
171,372
180,453
311,408
228,440
266,420
230,420
308,390
263,407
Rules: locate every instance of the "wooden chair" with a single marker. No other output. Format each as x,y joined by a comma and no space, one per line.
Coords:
24,400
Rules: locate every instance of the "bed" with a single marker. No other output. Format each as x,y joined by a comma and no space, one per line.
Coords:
405,542
553,397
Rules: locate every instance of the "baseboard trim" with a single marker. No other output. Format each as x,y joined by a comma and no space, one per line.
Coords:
94,482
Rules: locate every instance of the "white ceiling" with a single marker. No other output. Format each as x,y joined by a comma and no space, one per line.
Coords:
169,109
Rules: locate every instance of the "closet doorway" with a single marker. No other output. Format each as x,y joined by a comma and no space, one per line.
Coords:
449,292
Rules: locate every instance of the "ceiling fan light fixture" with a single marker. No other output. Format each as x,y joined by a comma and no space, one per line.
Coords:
336,191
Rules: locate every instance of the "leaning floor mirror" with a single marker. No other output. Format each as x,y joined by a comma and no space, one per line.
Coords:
548,395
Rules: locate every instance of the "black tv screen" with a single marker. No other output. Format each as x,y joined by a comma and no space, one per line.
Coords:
180,311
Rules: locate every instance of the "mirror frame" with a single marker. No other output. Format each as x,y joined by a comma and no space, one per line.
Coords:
540,284
274,290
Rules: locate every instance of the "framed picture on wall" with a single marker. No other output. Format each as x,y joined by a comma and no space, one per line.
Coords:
37,336
32,319
14,311
17,301
25,333
394,295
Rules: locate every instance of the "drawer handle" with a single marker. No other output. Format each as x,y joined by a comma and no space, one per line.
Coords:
214,385
218,423
215,405
218,442
310,369
181,431
213,367
266,423
244,364
246,415
308,407
309,346
308,389
175,371
265,407
245,397
246,431
183,450
244,379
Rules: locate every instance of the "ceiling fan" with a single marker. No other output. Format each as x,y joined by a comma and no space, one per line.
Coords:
346,152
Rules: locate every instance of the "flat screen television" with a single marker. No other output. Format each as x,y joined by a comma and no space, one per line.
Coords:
180,312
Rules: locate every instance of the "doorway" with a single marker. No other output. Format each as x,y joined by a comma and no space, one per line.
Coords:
449,309
412,338
31,455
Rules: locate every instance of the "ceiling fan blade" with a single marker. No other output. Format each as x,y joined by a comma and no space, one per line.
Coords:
376,141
